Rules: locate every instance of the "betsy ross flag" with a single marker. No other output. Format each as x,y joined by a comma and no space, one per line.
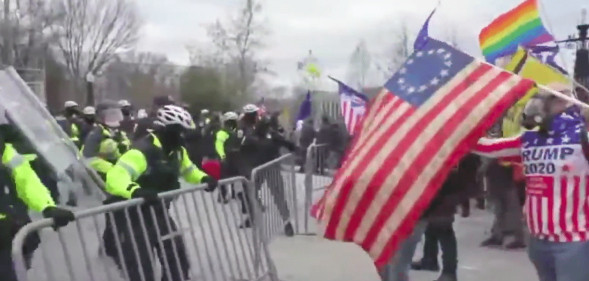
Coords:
352,105
427,116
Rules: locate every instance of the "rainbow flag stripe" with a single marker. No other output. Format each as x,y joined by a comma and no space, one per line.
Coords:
521,26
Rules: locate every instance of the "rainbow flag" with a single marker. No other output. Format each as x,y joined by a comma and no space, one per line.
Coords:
521,26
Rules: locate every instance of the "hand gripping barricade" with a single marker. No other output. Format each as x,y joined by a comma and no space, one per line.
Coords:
194,239
319,167
274,184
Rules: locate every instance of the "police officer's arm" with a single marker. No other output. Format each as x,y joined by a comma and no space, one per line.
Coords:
28,186
189,171
220,139
120,179
95,150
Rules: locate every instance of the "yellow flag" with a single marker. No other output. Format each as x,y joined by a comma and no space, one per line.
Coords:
527,67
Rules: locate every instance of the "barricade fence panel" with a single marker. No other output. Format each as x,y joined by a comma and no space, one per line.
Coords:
320,165
275,185
184,236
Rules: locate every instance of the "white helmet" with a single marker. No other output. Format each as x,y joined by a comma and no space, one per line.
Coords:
123,103
250,108
230,115
172,115
141,113
204,111
89,110
70,103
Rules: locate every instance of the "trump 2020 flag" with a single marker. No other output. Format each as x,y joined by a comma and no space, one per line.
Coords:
427,116
352,105
304,111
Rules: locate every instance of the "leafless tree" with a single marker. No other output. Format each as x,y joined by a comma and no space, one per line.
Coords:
399,50
452,38
359,67
29,31
92,32
237,40
138,76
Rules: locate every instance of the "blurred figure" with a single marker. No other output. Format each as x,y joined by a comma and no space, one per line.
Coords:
70,121
88,122
204,118
144,125
141,113
307,136
440,219
128,122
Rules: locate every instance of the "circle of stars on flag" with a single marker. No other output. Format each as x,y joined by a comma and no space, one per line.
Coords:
442,54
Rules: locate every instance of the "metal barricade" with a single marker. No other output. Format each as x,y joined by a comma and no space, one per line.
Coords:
194,239
320,165
275,186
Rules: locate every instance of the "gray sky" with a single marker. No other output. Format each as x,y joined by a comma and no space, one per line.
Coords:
332,28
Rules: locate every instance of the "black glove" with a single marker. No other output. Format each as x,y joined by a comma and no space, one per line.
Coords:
150,196
211,183
61,217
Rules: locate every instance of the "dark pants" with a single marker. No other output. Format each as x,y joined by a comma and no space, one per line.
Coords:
137,245
273,179
31,244
442,232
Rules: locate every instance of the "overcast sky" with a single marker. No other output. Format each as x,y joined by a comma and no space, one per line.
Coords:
332,28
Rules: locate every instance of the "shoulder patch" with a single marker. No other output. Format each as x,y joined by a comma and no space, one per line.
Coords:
240,133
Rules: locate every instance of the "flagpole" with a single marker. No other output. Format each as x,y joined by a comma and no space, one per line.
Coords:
564,97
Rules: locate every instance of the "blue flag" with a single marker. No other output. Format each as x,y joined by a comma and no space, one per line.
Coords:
304,111
423,35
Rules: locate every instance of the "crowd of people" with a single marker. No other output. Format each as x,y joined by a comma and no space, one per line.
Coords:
139,154
535,182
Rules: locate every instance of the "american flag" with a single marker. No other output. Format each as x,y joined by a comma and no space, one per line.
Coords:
427,116
352,105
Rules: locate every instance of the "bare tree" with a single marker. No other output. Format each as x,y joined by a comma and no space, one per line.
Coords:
92,32
139,76
400,49
452,38
360,64
236,43
29,31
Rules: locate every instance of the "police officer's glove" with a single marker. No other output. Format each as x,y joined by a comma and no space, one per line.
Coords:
150,196
61,217
211,183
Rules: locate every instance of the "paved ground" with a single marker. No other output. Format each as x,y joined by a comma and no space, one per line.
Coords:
218,250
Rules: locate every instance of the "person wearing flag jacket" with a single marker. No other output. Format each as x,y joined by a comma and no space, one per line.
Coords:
556,168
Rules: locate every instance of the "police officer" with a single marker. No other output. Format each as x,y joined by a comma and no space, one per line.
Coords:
128,122
153,165
227,144
102,148
22,190
258,146
204,118
69,121
88,121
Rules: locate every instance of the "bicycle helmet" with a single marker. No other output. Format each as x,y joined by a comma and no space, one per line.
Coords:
174,115
250,108
230,115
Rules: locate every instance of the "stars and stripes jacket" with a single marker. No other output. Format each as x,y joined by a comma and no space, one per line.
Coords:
557,176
